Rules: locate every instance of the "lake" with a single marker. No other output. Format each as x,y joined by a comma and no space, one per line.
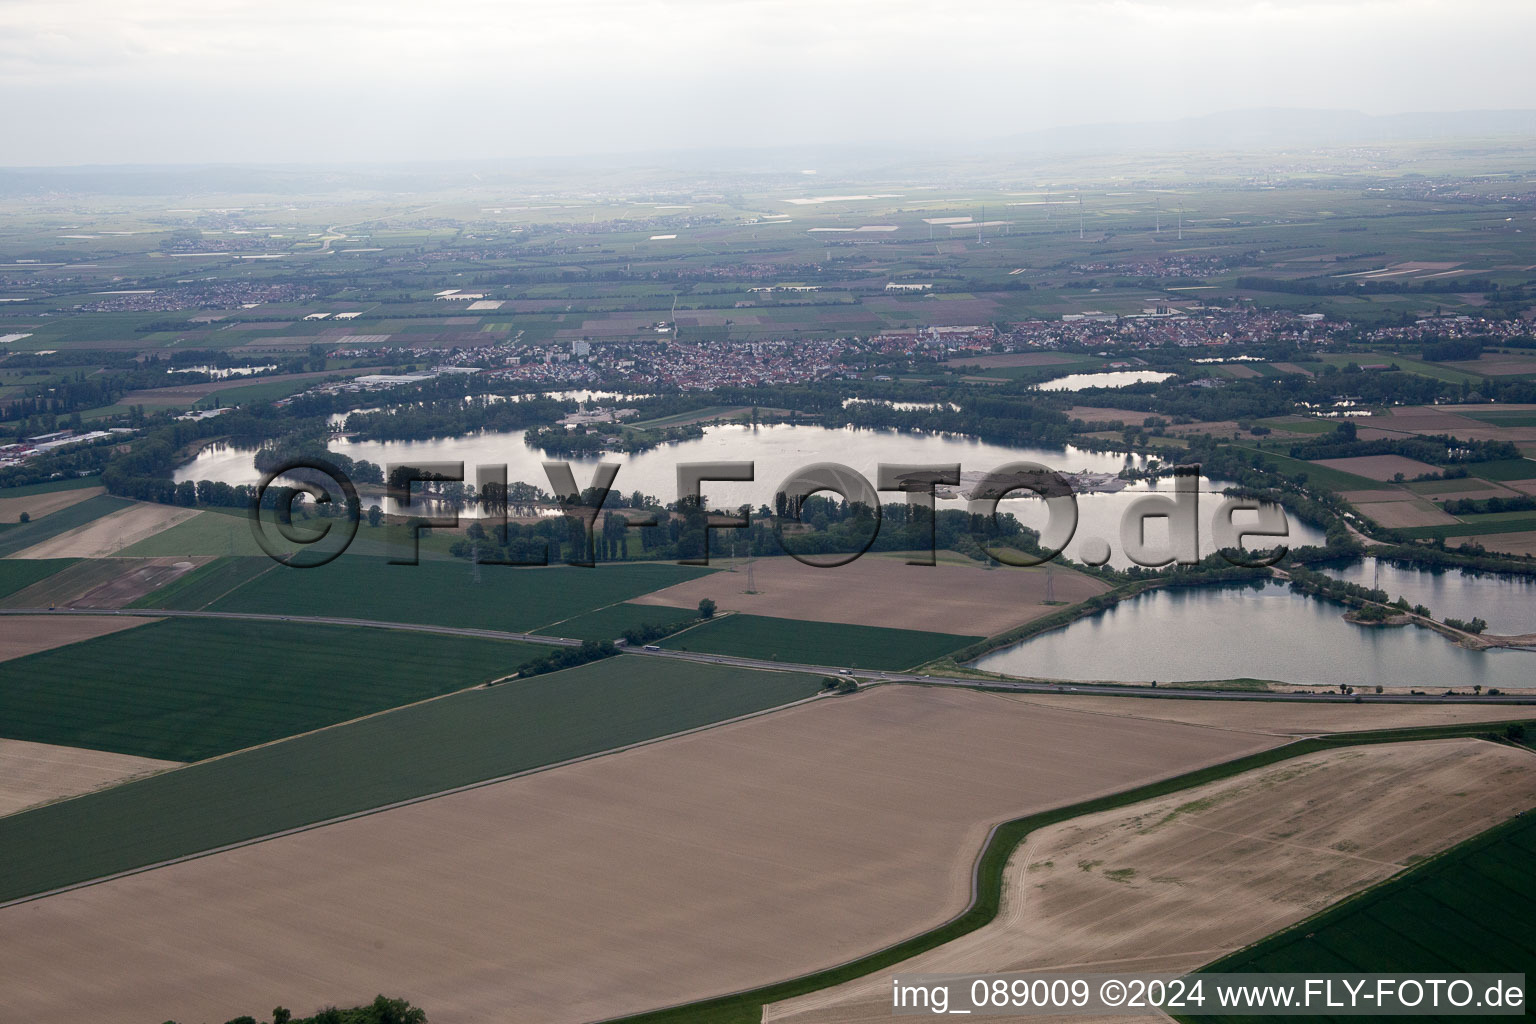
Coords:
1506,603
777,450
1112,379
1263,631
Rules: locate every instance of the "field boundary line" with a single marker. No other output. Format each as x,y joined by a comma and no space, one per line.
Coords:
409,801
991,862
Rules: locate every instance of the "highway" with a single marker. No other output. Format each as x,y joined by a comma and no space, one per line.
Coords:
864,676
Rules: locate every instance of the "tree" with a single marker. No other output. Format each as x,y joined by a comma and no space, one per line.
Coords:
26,517
375,515
706,608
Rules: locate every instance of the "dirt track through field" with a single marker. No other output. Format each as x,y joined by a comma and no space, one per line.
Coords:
36,773
21,635
965,600
110,534
707,863
1171,884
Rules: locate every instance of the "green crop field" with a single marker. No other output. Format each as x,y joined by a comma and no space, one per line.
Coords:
212,532
24,535
1403,363
1506,418
1506,469
1317,476
610,623
72,484
411,752
1484,525
818,643
20,573
185,689
445,593
1468,910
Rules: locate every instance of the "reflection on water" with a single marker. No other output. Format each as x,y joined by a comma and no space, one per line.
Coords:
1506,603
1262,631
777,451
1112,379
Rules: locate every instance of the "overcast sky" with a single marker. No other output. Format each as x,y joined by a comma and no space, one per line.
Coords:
164,81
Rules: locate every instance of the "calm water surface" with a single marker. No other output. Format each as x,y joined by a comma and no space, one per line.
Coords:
1262,631
1506,603
777,450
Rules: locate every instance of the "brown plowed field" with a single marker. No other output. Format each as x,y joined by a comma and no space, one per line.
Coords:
706,863
36,773
21,635
1171,884
965,600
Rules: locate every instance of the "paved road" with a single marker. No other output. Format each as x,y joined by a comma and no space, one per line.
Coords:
863,675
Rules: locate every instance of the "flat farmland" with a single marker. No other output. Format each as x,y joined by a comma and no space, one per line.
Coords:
30,634
17,575
29,535
1166,885
817,643
444,593
957,599
1523,543
710,862
1281,719
1465,911
405,754
100,582
110,534
1397,514
1378,467
988,362
186,689
43,503
35,773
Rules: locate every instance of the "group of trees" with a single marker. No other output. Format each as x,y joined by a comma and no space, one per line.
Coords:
382,1010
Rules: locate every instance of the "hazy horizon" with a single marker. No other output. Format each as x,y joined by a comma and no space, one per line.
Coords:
177,82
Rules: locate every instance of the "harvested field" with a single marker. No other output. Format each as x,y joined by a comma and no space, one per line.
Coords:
110,534
1497,364
39,505
27,634
711,862
1104,414
1292,368
1016,359
963,600
1394,514
1237,371
1281,719
1171,884
1378,467
1523,543
38,773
